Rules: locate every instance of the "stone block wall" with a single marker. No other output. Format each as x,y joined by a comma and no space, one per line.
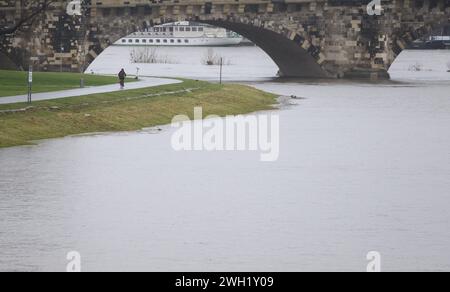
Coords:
338,34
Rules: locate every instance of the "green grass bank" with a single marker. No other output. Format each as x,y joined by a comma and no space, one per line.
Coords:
125,110
15,82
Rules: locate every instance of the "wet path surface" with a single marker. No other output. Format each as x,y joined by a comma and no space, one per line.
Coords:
143,83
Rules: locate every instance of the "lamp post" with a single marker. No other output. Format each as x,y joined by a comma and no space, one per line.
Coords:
61,65
30,83
76,8
83,44
137,73
221,69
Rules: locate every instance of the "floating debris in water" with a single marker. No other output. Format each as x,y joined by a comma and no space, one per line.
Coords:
297,97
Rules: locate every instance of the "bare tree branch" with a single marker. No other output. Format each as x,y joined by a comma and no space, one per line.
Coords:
36,8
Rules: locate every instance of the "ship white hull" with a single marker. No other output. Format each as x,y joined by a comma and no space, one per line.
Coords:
179,42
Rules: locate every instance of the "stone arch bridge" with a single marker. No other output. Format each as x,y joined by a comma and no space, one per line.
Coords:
305,38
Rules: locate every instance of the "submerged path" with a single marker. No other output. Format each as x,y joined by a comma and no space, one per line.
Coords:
143,83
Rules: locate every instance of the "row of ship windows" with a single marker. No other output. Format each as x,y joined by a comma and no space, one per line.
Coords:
165,41
171,29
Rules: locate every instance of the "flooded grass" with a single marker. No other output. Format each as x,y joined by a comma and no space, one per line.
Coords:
125,110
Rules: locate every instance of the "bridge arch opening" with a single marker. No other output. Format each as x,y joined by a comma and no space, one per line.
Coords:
406,38
290,57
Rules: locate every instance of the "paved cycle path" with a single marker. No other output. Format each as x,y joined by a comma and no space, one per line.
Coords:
142,83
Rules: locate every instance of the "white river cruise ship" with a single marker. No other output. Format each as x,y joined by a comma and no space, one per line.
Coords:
182,34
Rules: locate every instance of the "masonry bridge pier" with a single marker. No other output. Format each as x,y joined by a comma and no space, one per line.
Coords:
305,38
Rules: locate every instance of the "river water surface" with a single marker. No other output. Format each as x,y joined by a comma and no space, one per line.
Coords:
363,167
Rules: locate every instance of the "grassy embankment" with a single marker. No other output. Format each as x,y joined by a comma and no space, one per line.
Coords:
15,82
125,110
